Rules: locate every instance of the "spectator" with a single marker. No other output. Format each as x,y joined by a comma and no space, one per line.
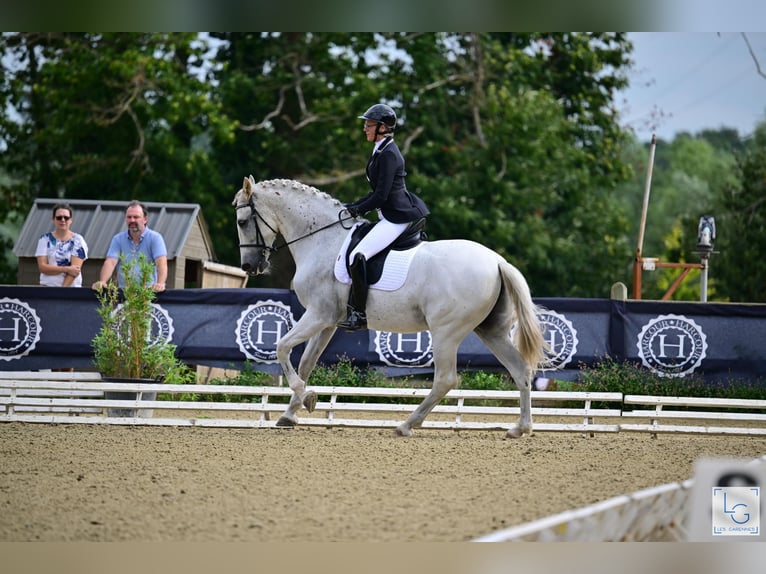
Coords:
138,239
61,253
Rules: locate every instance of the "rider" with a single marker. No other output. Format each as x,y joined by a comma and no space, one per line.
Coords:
397,208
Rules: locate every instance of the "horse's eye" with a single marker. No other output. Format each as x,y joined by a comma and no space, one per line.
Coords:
242,222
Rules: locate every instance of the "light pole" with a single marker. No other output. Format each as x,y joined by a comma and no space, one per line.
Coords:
705,240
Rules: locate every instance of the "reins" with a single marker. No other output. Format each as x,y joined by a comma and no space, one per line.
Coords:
259,235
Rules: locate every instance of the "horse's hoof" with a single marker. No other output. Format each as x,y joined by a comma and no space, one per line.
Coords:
403,431
514,432
310,401
285,422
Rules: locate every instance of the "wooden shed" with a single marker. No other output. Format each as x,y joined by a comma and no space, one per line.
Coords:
191,259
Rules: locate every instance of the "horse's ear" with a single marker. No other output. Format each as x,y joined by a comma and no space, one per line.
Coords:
246,185
252,179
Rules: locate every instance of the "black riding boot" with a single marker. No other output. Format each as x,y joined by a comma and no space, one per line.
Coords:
357,299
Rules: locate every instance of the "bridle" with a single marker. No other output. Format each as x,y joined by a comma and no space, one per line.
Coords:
261,242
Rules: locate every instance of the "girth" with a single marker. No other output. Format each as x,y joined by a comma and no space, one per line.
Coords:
409,238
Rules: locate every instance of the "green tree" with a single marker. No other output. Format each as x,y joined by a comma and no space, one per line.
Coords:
531,161
512,139
741,226
295,98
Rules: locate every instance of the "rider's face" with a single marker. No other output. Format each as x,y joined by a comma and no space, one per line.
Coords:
369,130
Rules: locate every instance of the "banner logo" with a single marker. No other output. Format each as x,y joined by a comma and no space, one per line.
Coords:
404,349
260,326
19,329
672,345
161,326
561,336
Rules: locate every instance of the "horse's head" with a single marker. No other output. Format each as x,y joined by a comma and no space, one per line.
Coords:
292,210
256,234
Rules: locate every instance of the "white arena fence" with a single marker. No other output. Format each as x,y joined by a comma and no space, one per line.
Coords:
69,397
79,397
655,514
651,514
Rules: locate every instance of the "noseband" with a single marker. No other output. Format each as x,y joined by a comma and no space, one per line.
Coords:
261,242
255,216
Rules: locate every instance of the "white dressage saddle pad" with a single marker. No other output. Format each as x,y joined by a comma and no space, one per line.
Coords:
395,269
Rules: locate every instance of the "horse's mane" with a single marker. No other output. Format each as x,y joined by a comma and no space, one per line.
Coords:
298,186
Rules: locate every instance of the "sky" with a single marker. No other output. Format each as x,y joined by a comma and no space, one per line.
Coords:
690,81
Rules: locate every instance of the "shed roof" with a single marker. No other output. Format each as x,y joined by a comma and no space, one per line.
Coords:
98,221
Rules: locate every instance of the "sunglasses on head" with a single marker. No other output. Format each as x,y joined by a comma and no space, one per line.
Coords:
63,218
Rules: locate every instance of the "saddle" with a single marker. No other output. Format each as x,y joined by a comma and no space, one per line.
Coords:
409,238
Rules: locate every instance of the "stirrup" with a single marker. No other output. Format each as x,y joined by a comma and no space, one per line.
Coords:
354,322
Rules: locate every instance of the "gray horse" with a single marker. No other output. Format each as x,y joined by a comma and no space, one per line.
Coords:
453,287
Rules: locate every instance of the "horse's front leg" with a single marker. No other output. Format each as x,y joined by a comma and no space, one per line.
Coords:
302,331
309,359
306,328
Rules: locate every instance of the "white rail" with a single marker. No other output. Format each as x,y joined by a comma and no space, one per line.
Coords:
43,398
659,513
697,415
55,397
644,515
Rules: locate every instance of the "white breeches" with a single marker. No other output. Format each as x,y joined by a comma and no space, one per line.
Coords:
381,236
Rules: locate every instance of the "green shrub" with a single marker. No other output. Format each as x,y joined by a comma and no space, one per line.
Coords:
345,374
609,375
122,347
247,377
486,381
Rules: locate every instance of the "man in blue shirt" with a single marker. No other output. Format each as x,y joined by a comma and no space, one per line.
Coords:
138,239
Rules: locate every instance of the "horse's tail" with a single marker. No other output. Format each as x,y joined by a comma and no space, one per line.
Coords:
529,333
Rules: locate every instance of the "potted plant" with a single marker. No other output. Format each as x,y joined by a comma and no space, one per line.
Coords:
123,348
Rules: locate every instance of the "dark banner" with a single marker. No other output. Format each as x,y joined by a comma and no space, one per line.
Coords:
43,328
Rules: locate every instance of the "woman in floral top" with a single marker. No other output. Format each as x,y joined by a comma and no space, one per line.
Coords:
61,253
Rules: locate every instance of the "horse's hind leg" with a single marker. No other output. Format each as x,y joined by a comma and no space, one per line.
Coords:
445,379
498,341
309,359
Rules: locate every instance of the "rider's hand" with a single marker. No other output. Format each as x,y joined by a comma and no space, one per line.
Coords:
352,211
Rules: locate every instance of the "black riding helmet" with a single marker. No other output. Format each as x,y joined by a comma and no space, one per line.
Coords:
383,114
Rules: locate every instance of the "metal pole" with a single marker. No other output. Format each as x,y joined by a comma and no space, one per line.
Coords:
647,188
637,264
703,277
